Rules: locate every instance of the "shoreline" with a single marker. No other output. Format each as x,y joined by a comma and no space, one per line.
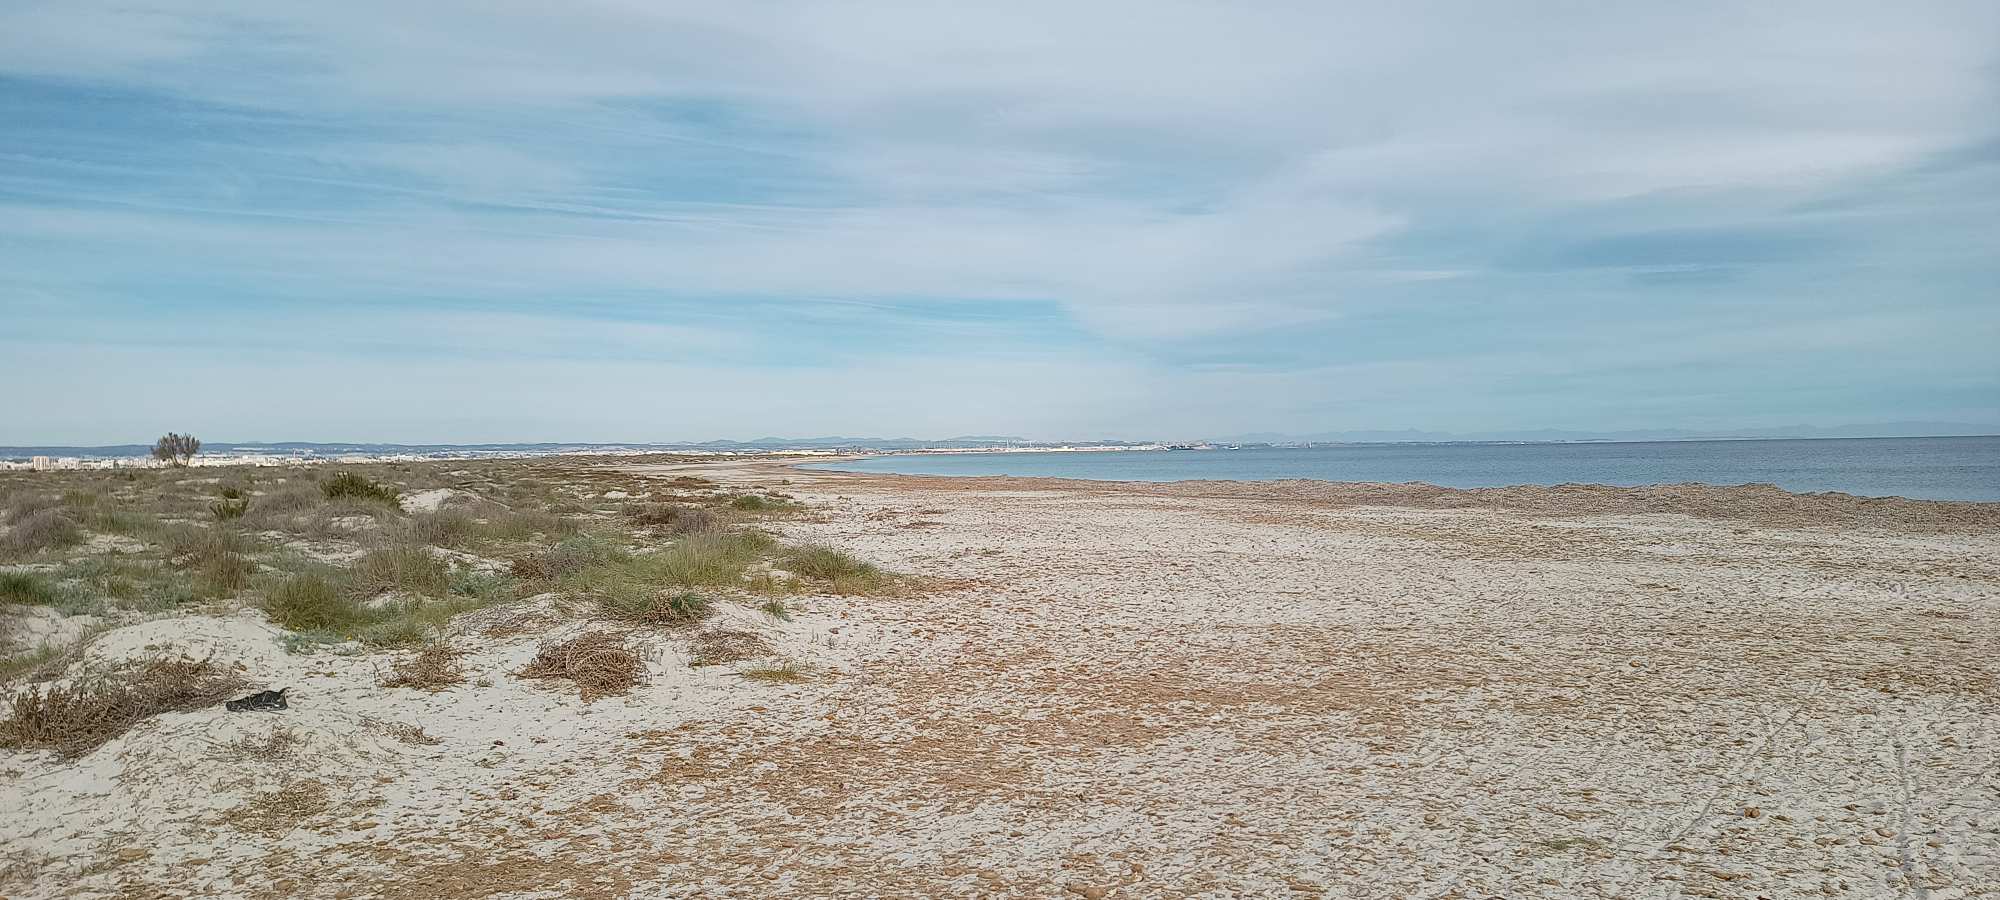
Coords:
1757,502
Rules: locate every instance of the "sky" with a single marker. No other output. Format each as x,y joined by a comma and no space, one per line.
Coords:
627,221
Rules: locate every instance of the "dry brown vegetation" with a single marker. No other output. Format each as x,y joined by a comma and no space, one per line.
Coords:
279,743
405,732
283,809
435,667
715,646
78,717
598,662
784,672
673,518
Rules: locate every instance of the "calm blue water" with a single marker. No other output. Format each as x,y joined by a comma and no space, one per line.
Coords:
1951,468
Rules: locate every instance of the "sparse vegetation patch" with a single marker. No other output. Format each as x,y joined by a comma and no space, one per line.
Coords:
673,518
715,646
599,663
29,589
842,572
360,487
405,568
435,667
76,718
785,672
41,529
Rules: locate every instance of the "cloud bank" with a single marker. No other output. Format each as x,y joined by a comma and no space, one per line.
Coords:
623,220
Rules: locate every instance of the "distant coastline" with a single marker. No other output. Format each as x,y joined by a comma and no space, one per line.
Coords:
294,452
1950,468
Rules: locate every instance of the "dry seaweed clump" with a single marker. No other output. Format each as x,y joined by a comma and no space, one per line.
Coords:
405,732
599,663
716,646
281,742
283,809
79,717
435,667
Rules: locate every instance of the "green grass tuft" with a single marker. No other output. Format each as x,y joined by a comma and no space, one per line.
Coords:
405,568
761,504
648,605
315,601
29,589
350,484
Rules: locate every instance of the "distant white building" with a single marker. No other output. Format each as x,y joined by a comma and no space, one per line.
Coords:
42,463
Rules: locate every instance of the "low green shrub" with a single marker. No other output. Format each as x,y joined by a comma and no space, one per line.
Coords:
406,568
314,601
649,605
29,589
351,484
761,504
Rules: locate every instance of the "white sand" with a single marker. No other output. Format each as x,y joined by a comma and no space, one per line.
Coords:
1123,691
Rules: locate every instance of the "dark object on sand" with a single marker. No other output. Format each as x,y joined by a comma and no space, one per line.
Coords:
260,700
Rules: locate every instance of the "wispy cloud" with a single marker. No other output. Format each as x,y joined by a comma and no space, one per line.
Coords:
1361,210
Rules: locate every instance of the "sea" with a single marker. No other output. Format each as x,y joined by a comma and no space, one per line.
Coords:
1940,468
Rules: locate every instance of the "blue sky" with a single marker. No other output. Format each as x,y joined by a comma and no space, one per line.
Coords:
640,221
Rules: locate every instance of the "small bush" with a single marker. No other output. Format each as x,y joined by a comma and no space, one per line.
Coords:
674,518
709,559
228,510
224,576
29,589
405,568
760,504
414,622
826,563
83,715
567,558
435,667
599,663
838,570
488,586
217,556
314,601
655,607
350,484
43,529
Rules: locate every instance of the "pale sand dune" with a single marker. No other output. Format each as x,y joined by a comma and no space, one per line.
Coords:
1148,691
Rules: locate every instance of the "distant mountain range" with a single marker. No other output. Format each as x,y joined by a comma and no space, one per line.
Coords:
1884,429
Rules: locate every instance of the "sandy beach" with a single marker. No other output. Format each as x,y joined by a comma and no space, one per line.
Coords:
1123,690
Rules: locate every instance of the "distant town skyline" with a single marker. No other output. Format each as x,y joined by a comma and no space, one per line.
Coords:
464,223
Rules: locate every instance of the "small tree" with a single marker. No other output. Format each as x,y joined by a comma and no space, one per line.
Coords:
176,449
